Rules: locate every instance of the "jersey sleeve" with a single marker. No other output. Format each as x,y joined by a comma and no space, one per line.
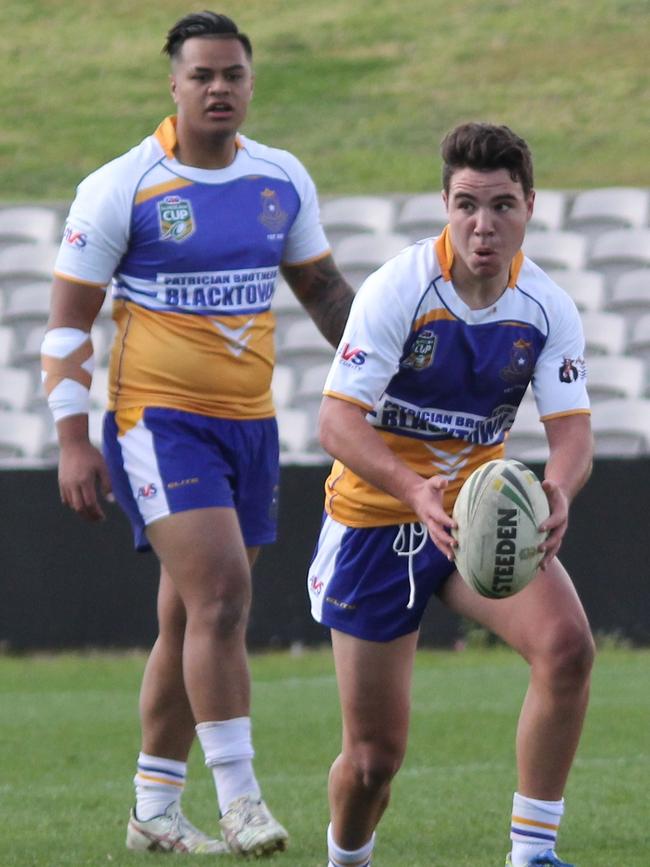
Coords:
560,376
96,233
306,239
370,350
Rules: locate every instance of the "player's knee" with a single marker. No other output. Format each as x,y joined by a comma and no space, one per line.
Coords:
376,765
223,616
570,656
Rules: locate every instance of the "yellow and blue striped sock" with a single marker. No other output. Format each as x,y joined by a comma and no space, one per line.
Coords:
159,784
534,828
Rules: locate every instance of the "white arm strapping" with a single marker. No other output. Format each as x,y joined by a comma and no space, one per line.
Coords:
68,365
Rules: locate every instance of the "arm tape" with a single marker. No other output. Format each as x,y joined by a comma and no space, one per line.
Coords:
67,368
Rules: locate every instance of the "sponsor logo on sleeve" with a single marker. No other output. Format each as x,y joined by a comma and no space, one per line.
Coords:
74,238
572,369
352,355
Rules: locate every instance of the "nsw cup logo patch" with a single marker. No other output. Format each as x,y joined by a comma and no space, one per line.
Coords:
422,351
176,219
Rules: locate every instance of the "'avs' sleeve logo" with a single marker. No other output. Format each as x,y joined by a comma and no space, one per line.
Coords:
352,355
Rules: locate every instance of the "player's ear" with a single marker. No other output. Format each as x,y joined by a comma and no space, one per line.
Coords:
445,199
172,87
530,205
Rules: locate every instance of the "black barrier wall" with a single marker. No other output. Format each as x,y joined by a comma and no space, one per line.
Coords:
67,584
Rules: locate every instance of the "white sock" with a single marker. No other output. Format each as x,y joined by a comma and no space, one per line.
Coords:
159,784
228,751
534,828
342,857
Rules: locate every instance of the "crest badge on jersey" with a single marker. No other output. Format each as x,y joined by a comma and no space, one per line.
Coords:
176,219
422,352
520,367
272,216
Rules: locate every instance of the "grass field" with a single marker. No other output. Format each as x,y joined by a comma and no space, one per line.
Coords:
69,739
362,91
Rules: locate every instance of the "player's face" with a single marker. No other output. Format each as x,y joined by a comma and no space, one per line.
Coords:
212,85
488,213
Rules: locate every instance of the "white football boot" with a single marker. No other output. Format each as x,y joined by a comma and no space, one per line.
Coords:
170,832
250,829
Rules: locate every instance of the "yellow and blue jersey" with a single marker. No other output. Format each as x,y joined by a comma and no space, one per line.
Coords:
441,382
193,255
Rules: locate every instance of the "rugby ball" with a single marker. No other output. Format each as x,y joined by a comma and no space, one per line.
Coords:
498,511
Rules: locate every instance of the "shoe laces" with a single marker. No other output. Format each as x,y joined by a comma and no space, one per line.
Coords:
182,827
249,811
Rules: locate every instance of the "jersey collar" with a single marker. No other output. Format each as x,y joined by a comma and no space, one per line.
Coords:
445,253
166,136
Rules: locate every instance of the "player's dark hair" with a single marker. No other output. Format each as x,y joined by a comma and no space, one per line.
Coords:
204,24
485,147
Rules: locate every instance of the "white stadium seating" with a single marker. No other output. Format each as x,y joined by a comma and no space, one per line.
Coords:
557,249
29,223
421,216
594,243
349,215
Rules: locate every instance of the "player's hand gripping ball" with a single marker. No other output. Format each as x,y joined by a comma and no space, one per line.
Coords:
498,512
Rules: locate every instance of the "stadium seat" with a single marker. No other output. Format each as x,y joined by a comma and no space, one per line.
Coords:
587,288
283,385
422,216
556,249
21,435
16,388
7,344
294,429
350,215
615,376
621,428
638,344
604,333
284,299
359,255
27,303
526,440
286,310
22,263
630,294
549,211
595,211
309,392
29,223
99,388
303,344
106,310
620,249
312,381
95,426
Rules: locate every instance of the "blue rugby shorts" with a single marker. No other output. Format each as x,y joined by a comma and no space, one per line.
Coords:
171,461
374,582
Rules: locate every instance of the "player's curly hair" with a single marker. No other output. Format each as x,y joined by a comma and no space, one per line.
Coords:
204,24
486,147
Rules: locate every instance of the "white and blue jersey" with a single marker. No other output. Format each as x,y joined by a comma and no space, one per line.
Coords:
442,382
193,255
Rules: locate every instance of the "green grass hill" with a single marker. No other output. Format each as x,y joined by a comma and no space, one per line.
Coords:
361,91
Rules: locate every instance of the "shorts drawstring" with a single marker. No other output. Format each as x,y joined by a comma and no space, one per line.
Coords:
417,533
